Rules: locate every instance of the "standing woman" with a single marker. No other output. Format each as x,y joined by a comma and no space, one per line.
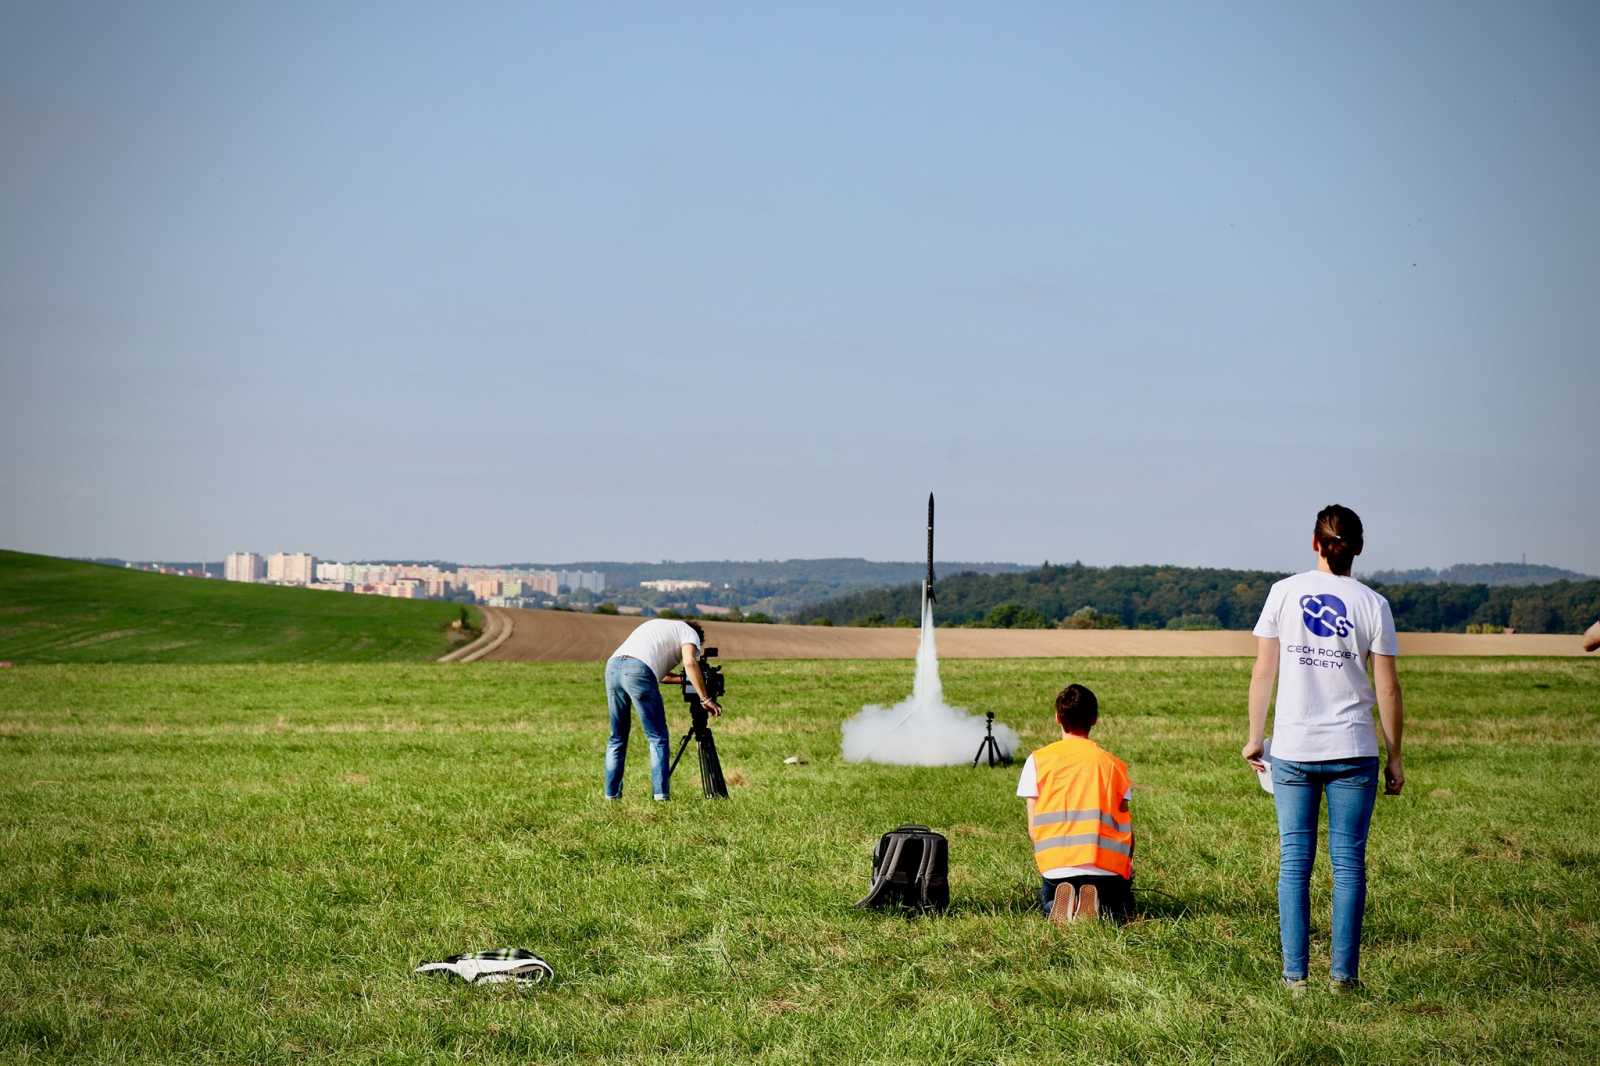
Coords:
1320,630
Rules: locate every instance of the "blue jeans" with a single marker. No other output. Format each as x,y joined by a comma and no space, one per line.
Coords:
629,681
1297,789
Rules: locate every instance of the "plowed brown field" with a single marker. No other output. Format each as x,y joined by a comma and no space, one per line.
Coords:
554,636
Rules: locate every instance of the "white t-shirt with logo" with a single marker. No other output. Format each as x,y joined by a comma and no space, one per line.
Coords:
1326,625
658,644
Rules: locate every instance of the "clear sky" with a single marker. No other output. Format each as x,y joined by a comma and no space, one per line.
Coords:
1122,282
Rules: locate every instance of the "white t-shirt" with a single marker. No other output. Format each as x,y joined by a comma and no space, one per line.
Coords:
1326,625
1028,788
658,644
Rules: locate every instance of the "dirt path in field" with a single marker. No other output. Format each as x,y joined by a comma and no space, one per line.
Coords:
566,636
498,626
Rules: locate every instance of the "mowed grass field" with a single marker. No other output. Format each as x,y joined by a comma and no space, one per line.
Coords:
61,611
243,863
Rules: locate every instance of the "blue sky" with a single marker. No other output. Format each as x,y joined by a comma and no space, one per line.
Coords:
1125,283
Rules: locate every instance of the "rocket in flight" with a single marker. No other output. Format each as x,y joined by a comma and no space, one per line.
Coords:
927,585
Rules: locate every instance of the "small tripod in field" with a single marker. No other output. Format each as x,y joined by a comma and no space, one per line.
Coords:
990,747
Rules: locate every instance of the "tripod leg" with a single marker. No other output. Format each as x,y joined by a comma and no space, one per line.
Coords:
711,779
685,743
983,749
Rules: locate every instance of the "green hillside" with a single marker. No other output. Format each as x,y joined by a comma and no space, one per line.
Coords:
59,611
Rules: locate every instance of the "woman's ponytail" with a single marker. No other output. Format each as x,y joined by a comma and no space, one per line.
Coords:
1339,537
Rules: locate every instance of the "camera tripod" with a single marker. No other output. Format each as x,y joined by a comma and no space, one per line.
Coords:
990,746
711,781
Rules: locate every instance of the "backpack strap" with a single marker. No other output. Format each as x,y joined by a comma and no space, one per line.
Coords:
880,876
925,871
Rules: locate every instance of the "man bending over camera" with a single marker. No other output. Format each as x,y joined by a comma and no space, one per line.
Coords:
634,675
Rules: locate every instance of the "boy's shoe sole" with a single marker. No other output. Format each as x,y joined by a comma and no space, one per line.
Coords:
1088,902
1065,905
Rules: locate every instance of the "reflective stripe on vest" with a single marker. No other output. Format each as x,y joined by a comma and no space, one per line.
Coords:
1078,818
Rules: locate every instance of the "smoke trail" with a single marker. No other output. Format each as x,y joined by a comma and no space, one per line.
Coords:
922,730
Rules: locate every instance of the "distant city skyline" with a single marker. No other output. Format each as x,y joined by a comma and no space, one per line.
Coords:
1139,283
225,566
496,586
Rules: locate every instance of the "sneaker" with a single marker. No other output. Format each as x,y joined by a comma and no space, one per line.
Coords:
1064,905
1342,985
1296,985
1088,902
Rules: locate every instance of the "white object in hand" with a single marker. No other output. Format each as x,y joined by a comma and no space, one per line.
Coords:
1264,777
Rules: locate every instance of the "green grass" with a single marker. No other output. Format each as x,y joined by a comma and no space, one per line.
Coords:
243,863
60,611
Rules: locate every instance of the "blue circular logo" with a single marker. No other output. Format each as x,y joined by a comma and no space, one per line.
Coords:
1325,615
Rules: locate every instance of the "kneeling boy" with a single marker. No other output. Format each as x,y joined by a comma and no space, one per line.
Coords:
1078,817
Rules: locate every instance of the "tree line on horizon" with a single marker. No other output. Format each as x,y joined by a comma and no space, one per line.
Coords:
1075,596
1476,574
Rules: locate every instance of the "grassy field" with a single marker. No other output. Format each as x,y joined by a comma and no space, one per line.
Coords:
60,611
243,863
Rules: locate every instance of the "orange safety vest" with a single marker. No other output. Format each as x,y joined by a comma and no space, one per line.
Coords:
1078,818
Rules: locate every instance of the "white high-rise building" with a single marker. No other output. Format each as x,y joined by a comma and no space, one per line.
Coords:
593,580
335,572
244,566
368,574
291,568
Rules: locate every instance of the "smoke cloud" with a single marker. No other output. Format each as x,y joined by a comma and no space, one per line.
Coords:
922,730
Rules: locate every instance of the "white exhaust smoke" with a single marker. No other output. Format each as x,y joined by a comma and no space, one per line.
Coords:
922,730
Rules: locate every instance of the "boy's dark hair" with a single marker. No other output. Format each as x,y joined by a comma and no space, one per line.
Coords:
1339,537
699,630
1076,709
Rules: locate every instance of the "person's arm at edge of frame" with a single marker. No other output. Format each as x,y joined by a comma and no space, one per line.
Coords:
1591,637
1262,677
1391,719
691,670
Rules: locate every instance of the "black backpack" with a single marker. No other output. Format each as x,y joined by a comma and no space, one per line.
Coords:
910,868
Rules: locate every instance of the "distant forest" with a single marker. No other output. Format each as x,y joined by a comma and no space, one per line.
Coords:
1476,574
1172,597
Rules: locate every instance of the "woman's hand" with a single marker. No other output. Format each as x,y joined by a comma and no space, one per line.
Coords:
1394,776
1262,675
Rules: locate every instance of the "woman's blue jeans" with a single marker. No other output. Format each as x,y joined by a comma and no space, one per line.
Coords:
1351,786
629,681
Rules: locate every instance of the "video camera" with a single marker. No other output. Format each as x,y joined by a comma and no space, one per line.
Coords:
713,675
